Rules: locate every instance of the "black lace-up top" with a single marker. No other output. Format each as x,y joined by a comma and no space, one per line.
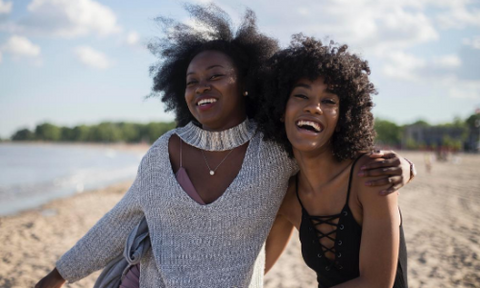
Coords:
344,241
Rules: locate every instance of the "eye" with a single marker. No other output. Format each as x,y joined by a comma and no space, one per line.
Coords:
216,76
191,82
329,101
301,96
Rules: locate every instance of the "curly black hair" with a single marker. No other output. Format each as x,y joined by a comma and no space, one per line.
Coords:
345,73
246,46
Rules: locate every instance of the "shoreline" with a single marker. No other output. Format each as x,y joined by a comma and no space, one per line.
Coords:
57,170
135,147
440,214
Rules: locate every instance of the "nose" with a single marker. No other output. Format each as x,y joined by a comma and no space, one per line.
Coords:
202,88
314,108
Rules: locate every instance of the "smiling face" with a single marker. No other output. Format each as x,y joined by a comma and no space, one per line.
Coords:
311,115
212,91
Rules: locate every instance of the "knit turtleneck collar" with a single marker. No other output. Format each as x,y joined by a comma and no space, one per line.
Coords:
217,141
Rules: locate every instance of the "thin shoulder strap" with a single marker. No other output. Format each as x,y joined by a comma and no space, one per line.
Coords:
181,160
351,174
296,191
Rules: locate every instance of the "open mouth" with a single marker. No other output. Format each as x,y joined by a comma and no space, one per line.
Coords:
309,125
206,101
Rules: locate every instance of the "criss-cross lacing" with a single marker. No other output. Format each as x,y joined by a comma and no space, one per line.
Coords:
333,220
315,222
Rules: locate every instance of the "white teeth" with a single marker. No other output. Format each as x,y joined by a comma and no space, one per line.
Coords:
206,101
312,124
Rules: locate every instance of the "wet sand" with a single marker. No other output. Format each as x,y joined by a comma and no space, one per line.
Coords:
441,213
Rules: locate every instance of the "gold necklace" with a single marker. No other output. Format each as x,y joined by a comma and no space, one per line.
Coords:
212,172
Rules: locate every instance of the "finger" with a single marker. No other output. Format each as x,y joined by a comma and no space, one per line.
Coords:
385,171
390,154
394,162
393,180
375,154
392,189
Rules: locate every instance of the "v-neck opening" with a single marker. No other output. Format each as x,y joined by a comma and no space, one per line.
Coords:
225,193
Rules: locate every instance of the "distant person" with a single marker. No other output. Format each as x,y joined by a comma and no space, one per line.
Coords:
211,188
320,97
428,162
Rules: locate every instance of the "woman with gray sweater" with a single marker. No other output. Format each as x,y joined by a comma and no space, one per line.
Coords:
210,189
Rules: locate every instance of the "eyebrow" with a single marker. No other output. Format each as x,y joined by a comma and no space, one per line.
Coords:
208,68
303,86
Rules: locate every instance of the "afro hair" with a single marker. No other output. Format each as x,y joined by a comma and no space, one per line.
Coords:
345,73
212,30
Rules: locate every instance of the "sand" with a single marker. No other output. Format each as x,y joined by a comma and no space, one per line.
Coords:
440,209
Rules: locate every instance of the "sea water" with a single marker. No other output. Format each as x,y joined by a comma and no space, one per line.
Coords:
34,174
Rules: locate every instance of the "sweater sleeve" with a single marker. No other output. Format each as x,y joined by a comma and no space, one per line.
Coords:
106,239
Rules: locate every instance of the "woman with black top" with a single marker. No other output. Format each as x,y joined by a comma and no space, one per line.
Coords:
350,235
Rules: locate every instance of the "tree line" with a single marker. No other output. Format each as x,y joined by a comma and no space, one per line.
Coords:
103,132
392,134
388,132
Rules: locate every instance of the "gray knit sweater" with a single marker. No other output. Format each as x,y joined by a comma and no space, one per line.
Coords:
216,245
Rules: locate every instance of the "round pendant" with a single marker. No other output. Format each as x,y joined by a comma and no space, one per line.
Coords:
212,172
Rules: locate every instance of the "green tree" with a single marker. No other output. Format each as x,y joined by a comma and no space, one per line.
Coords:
130,132
80,133
387,132
421,123
66,134
105,132
47,132
23,135
473,121
153,130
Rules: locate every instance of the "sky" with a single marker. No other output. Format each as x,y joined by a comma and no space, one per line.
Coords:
85,61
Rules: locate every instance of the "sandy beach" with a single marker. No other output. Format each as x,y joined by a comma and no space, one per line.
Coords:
441,214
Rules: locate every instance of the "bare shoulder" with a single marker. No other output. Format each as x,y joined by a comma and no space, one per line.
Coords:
368,197
359,182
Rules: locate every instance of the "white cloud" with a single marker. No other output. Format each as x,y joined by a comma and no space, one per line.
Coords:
374,25
404,66
465,90
20,46
5,7
92,58
133,38
401,65
473,42
459,16
69,19
447,61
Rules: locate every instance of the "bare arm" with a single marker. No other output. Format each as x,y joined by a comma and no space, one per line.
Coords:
52,280
380,240
277,240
